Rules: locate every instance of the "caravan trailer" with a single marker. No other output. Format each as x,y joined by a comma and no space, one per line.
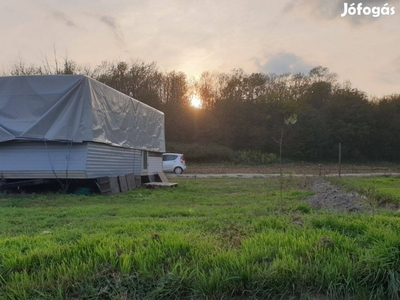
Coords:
72,127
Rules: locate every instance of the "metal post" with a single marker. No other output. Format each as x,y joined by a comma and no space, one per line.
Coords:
340,159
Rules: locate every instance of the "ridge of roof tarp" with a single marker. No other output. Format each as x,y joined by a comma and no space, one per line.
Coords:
76,108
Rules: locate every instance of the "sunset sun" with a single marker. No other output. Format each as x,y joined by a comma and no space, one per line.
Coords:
195,101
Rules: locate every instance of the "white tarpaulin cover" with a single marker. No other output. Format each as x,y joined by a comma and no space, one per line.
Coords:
76,108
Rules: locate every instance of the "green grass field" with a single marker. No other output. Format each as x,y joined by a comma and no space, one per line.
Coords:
207,239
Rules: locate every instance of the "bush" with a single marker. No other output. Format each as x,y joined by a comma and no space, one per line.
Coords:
216,154
203,152
255,157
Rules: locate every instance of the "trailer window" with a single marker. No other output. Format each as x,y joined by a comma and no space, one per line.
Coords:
144,159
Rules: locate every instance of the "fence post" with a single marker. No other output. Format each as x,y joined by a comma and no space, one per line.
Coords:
340,159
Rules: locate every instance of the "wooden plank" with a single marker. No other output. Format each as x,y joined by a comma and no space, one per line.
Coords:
123,185
138,180
114,185
108,185
104,185
154,185
130,180
162,177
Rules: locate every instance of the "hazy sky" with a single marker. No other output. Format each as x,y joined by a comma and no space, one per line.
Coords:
270,36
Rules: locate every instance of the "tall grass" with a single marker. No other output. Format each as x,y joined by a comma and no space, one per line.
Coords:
206,239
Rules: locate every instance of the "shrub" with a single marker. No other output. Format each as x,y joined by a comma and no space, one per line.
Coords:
255,157
197,152
203,152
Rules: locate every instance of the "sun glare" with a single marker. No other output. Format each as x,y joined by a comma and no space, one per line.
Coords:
195,101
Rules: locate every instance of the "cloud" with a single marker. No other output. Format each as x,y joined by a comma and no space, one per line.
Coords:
284,62
112,24
315,8
109,21
59,15
332,9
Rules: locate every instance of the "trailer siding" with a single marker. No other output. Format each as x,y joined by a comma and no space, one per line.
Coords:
155,163
77,160
107,160
42,160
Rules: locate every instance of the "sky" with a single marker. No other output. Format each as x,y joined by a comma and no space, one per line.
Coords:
193,36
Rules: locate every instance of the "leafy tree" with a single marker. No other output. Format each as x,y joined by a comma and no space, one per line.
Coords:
240,110
349,116
309,139
385,141
175,105
139,80
209,88
318,94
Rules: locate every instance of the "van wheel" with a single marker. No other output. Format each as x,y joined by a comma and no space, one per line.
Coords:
178,170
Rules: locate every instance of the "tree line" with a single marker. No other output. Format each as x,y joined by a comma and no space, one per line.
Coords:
247,111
